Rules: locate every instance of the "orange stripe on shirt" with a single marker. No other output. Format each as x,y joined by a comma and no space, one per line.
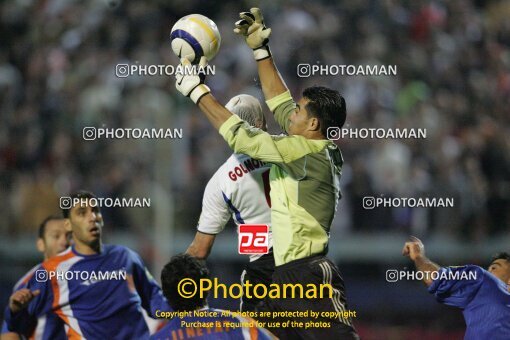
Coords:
73,335
254,333
51,266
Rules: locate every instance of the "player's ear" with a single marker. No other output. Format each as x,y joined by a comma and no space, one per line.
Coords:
40,245
314,124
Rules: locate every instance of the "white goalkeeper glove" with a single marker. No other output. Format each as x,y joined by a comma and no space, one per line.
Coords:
189,83
252,28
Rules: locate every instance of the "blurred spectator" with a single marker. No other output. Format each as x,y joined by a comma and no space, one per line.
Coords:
57,75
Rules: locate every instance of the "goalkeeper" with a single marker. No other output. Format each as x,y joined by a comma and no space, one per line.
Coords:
304,177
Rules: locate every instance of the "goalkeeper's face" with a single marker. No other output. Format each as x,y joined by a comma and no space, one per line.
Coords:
300,122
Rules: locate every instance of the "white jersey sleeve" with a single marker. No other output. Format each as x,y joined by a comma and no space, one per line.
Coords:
215,212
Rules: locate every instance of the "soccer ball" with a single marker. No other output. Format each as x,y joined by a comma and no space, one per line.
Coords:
194,36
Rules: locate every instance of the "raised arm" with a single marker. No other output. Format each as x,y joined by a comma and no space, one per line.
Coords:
444,282
415,250
252,28
238,134
270,78
214,111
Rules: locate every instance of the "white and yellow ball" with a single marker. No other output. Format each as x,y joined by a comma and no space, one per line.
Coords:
194,36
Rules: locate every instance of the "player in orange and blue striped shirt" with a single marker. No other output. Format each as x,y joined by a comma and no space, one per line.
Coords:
53,238
97,290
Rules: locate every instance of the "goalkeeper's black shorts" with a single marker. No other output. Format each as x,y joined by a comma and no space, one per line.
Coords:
314,270
259,271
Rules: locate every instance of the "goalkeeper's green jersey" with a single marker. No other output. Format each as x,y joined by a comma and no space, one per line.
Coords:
304,179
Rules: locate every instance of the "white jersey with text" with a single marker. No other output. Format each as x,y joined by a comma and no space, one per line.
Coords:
239,188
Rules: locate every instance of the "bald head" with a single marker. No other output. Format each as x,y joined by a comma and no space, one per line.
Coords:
248,109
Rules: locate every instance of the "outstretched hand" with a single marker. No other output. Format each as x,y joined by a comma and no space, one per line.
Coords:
190,80
413,248
252,28
20,299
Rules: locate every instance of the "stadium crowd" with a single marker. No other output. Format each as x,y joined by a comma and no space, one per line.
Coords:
57,75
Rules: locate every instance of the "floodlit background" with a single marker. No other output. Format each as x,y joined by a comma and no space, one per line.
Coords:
57,76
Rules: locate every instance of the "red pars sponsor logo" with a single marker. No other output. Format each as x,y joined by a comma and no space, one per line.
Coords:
253,239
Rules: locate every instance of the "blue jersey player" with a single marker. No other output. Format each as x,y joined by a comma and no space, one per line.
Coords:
193,325
53,238
97,290
483,295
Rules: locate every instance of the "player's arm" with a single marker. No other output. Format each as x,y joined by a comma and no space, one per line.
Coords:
213,218
415,250
252,28
18,319
15,298
261,145
216,113
148,289
271,80
248,140
453,292
241,137
201,245
192,86
26,304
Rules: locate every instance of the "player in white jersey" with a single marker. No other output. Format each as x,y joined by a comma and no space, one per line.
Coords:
239,188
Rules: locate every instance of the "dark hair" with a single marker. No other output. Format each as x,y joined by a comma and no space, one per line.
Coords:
81,194
42,226
183,266
327,105
501,256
